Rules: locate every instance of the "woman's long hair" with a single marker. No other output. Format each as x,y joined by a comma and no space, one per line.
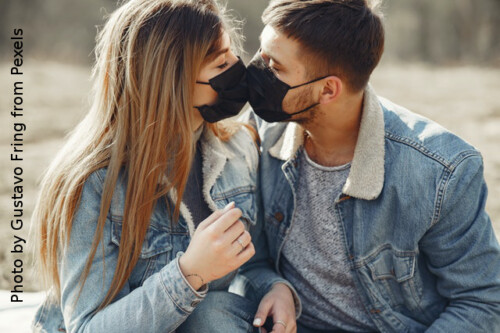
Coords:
148,56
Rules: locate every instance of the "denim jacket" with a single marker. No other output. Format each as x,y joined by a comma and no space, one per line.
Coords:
421,248
156,297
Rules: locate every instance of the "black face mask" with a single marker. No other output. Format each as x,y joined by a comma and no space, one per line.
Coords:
266,91
231,87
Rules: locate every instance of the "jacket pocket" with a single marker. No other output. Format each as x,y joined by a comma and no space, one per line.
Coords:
393,276
156,251
155,242
244,199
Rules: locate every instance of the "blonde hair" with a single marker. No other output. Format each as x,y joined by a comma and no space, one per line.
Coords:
148,56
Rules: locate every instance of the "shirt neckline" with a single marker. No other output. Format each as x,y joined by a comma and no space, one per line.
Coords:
323,167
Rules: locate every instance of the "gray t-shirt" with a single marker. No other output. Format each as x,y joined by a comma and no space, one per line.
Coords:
314,258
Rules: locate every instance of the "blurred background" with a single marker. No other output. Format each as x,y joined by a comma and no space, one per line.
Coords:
442,60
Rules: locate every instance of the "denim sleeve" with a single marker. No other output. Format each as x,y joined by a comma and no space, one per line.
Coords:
463,252
161,304
259,271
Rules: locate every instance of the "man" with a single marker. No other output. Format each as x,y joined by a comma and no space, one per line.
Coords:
373,213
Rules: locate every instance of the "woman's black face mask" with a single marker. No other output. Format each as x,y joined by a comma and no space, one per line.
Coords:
266,92
231,87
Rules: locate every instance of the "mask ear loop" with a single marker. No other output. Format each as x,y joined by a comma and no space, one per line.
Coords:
306,109
315,80
303,84
200,106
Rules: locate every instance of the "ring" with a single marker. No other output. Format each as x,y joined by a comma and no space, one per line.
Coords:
280,322
241,243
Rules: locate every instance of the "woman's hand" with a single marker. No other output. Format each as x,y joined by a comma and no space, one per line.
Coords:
279,303
219,246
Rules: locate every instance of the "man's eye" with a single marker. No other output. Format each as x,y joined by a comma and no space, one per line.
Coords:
224,65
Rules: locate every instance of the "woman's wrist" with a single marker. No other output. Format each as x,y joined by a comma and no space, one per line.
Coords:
195,279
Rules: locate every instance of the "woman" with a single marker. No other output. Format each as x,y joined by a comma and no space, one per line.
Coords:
116,218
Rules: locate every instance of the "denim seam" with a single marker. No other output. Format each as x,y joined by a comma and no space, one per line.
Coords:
177,324
446,181
418,147
440,193
235,192
364,261
42,316
416,296
147,271
115,224
170,296
101,179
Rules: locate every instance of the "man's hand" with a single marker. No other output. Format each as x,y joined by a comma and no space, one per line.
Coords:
279,304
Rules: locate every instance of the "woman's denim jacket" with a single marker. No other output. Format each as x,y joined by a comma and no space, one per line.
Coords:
156,297
421,247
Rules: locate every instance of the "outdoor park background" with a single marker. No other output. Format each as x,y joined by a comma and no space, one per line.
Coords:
442,60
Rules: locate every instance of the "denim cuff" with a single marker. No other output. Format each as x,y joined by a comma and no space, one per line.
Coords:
178,288
200,293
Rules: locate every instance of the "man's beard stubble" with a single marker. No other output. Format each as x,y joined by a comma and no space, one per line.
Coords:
300,102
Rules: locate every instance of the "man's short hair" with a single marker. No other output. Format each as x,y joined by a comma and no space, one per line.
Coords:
338,37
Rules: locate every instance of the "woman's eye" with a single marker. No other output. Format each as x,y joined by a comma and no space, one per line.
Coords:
224,65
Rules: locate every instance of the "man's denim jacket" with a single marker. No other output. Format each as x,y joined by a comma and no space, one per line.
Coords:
421,247
157,297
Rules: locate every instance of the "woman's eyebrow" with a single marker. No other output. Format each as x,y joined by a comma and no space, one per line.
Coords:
218,53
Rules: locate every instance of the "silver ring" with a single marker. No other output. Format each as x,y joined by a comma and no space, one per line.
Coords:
241,243
280,322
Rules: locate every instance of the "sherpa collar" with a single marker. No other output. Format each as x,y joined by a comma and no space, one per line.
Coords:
366,177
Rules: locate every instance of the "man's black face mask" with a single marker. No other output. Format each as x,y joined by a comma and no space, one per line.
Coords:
232,90
266,92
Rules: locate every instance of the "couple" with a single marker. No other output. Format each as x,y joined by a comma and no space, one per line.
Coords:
324,202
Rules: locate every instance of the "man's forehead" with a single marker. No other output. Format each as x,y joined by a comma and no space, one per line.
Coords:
278,46
269,34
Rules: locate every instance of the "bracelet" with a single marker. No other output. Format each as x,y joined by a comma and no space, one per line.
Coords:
194,274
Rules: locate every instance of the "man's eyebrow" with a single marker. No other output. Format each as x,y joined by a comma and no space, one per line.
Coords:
273,58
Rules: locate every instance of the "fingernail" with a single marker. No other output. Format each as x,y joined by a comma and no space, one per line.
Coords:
257,322
228,206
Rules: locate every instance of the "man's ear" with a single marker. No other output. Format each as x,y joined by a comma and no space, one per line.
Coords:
332,88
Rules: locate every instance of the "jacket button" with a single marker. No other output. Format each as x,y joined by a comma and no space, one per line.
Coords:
279,216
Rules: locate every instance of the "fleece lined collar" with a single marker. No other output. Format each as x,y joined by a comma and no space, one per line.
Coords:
366,178
215,155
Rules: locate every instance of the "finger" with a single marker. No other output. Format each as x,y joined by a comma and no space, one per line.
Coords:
245,255
215,215
278,328
262,312
234,232
282,321
245,238
225,221
241,243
